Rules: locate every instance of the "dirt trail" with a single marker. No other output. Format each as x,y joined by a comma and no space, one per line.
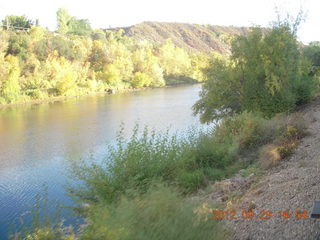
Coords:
293,185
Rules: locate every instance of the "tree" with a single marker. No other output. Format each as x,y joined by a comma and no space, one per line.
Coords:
110,75
265,74
175,61
98,57
80,27
69,24
10,90
312,53
18,45
17,22
63,19
140,80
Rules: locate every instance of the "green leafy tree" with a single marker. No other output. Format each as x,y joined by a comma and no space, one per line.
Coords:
98,35
63,46
69,24
312,53
18,45
265,74
63,20
16,22
98,57
80,27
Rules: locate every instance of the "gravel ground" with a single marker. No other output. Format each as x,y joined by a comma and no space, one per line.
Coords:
292,186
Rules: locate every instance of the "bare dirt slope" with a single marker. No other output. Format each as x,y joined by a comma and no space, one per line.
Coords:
293,185
191,37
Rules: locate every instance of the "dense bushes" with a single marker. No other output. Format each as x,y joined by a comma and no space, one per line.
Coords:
265,74
188,162
97,62
161,213
312,53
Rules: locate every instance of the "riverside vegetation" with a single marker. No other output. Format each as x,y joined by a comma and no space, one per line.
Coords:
143,188
75,60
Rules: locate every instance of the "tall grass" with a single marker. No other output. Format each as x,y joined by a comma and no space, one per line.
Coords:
188,162
161,213
45,222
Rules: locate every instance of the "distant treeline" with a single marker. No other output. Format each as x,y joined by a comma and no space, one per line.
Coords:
76,60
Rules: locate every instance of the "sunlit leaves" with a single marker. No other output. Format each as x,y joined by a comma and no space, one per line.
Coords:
266,74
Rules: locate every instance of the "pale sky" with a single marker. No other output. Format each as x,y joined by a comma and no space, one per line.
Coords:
117,13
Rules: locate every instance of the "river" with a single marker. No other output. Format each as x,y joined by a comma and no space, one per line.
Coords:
37,142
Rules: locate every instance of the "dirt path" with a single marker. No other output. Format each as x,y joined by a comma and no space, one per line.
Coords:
293,185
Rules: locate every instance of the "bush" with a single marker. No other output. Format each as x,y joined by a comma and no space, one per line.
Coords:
133,164
266,74
64,46
159,214
37,94
188,162
269,156
140,80
18,45
288,131
247,129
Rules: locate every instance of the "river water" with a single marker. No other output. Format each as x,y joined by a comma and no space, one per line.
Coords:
37,142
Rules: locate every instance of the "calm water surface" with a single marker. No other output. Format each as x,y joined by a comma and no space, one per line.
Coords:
37,142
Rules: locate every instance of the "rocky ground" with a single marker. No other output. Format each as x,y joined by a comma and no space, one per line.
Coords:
292,186
276,195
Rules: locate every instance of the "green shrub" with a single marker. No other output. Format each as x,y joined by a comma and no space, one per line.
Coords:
188,162
288,132
190,180
37,94
214,173
18,45
265,74
161,213
133,164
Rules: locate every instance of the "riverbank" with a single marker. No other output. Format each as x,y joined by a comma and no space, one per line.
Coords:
159,171
112,91
286,190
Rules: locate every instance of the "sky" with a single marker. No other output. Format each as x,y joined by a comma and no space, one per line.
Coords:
120,13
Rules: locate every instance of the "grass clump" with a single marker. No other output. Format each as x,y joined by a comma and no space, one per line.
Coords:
45,225
289,132
160,213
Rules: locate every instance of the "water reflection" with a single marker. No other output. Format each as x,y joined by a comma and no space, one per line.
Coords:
36,141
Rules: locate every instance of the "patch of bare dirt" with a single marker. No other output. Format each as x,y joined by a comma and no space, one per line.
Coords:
292,186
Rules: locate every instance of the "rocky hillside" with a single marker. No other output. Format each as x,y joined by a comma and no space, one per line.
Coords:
192,37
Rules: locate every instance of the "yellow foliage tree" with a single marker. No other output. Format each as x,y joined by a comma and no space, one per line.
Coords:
10,89
110,75
140,80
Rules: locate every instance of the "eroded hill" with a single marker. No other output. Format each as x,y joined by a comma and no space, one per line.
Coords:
192,37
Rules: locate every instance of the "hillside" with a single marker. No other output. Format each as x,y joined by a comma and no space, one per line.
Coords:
192,37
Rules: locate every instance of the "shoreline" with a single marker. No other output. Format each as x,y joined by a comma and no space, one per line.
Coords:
64,98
